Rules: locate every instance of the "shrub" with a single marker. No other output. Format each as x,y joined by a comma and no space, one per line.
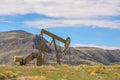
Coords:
97,69
3,77
10,74
116,67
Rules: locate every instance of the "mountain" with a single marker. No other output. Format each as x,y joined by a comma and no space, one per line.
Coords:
92,56
21,43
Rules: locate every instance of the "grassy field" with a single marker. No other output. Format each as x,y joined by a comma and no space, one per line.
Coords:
63,72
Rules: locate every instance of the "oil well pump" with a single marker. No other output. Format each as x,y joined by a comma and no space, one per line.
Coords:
43,47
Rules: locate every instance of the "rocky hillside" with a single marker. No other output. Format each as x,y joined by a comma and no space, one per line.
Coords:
14,43
92,55
21,43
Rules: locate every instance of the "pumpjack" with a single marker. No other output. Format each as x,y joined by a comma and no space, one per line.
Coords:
43,48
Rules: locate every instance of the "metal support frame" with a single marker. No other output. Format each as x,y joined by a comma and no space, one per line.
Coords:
56,51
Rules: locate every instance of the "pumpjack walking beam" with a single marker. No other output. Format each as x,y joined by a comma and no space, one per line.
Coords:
55,37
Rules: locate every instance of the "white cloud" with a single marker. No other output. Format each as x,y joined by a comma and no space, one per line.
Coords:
77,12
76,23
97,46
64,8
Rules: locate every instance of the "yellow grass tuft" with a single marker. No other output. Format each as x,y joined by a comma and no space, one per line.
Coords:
98,69
32,78
93,74
10,74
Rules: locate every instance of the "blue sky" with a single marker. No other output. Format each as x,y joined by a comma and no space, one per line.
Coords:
87,22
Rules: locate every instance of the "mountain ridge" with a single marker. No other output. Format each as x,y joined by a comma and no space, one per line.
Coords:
20,43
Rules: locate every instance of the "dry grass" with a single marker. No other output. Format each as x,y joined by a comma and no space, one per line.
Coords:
63,72
32,78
